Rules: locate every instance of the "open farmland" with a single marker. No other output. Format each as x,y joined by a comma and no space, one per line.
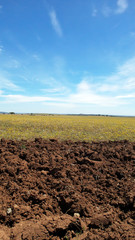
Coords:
59,181
76,128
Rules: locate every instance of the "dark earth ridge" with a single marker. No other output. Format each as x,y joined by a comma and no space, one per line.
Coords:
67,190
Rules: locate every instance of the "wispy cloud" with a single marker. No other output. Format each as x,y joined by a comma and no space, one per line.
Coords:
55,23
127,70
1,6
123,80
5,83
25,99
122,5
56,91
114,90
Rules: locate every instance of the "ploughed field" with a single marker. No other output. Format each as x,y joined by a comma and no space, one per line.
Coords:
53,189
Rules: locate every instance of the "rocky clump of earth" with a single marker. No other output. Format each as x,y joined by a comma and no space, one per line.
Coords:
67,190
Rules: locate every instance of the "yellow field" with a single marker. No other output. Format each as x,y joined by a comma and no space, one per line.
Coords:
76,128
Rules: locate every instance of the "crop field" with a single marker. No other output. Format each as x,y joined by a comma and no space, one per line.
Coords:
76,128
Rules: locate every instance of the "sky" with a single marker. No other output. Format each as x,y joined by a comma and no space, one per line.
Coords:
67,56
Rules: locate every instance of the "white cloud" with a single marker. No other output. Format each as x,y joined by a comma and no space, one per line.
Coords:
122,80
85,94
114,90
128,68
55,23
127,96
130,83
8,84
60,104
122,5
1,6
24,99
108,88
126,75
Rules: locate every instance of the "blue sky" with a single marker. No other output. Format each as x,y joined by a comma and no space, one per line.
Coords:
67,56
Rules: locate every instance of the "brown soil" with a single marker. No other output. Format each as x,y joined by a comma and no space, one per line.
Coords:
66,190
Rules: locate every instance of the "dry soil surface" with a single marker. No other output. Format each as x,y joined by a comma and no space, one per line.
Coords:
66,190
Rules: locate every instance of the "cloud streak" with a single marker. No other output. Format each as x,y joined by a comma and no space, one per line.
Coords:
24,99
8,84
55,23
